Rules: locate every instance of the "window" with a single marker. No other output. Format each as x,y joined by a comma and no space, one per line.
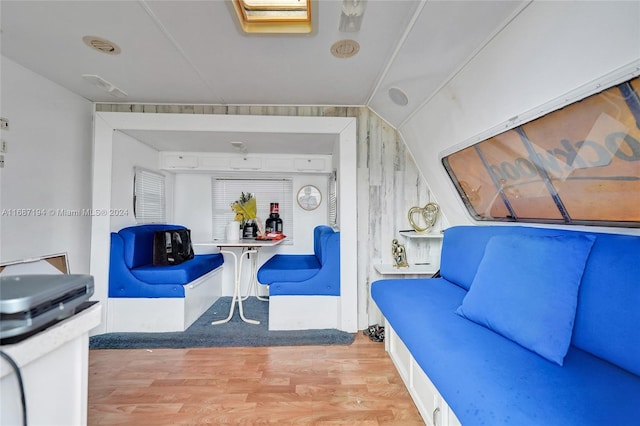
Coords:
149,196
579,165
332,199
274,16
225,191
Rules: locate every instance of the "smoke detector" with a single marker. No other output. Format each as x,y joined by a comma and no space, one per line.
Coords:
101,44
345,48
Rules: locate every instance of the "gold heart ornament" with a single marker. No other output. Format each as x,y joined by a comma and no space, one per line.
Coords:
426,215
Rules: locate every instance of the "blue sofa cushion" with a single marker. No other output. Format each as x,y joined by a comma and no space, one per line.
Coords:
462,251
321,234
289,267
182,273
138,243
487,379
607,317
526,289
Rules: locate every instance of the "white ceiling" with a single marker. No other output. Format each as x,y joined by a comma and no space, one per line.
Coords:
193,52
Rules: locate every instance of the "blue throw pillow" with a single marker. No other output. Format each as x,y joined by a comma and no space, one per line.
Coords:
526,289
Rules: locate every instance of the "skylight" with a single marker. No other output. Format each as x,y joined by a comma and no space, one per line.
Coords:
274,16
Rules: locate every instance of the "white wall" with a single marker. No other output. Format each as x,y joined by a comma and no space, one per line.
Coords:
131,153
549,50
47,168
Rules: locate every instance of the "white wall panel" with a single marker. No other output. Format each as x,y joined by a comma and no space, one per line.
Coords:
46,180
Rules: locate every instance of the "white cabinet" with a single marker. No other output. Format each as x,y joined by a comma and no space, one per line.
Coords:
180,161
54,366
423,255
309,164
245,163
213,161
432,407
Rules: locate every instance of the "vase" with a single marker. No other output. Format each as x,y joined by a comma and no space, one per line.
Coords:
250,229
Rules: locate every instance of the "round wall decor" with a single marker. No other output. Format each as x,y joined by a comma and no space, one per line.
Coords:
309,197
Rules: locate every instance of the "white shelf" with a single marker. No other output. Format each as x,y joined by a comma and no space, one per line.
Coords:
414,234
389,269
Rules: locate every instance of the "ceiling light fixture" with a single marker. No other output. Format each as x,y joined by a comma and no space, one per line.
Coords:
274,16
352,14
345,48
103,84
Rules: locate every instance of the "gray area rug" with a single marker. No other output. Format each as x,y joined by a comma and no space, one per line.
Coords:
235,333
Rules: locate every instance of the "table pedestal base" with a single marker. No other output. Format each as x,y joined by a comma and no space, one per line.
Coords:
236,291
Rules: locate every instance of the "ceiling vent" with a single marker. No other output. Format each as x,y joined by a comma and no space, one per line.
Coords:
101,45
345,48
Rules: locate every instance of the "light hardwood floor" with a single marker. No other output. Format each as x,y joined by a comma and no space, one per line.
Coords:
302,385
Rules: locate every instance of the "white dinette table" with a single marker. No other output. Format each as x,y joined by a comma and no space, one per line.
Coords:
247,247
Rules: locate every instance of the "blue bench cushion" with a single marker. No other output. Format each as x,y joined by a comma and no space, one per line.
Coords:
607,316
138,243
489,380
289,267
182,273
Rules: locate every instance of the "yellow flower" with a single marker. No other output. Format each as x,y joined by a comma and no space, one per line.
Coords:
245,208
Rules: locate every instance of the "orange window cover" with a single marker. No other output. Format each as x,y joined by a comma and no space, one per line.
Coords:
576,165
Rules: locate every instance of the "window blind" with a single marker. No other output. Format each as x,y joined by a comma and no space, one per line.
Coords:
149,196
225,191
332,200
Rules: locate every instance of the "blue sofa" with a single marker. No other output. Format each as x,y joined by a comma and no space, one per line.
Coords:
304,289
472,331
139,292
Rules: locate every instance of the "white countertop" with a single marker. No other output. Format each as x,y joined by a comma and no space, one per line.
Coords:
46,341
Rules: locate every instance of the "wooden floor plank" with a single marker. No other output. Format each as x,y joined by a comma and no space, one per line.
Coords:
307,385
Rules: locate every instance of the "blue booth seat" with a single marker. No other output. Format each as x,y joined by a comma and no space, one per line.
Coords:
148,298
316,274
131,269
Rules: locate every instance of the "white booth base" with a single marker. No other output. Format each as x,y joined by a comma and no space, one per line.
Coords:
54,365
432,407
147,314
303,312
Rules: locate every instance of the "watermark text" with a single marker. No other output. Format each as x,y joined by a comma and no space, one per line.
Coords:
51,212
